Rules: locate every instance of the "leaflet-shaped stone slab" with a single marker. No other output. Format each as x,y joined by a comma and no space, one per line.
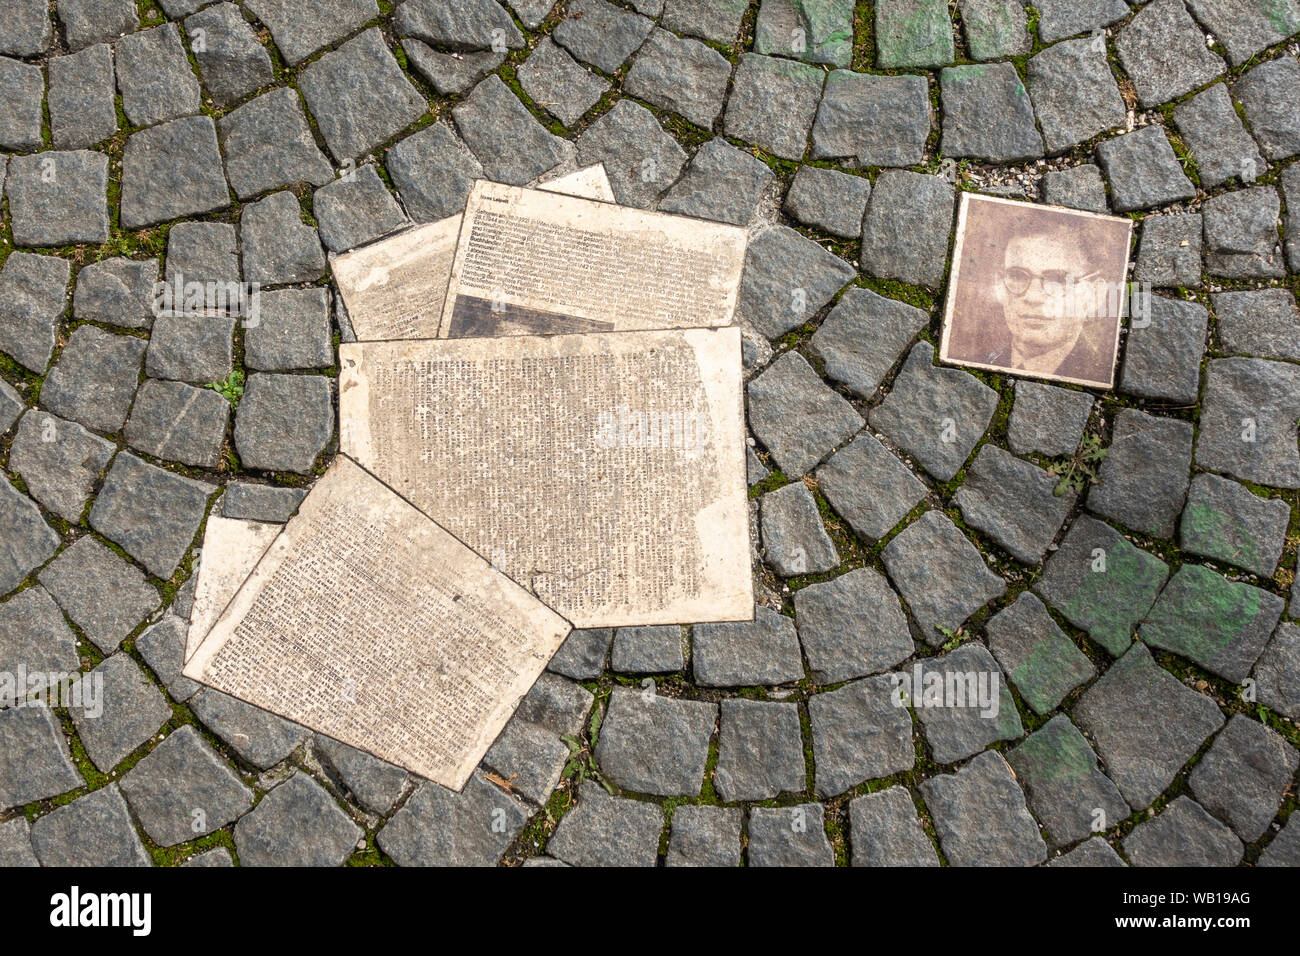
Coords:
394,288
534,263
603,472
369,623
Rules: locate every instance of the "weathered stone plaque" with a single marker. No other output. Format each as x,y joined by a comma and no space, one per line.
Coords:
369,623
231,549
1036,290
394,288
533,263
590,182
604,473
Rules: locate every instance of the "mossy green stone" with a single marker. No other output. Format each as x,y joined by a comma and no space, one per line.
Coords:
1220,624
1102,583
913,33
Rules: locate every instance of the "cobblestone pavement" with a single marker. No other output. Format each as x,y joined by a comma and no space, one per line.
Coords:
1145,708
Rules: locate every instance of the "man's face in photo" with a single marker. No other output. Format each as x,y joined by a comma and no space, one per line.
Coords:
1044,295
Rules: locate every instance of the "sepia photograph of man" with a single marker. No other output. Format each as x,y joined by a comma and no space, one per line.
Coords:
1036,290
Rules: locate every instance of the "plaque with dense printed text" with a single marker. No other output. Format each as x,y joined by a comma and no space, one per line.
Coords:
604,473
368,622
534,263
394,288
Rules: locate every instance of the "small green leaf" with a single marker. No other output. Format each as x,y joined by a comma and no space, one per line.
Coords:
232,389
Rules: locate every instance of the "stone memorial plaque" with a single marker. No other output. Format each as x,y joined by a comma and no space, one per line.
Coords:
533,263
1037,291
231,549
369,623
604,473
590,182
394,288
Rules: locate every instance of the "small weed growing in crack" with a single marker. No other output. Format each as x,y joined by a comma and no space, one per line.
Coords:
1080,470
232,388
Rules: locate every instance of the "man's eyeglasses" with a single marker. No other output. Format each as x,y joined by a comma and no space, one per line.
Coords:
1019,280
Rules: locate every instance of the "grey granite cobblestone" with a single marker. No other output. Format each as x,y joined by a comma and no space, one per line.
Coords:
903,511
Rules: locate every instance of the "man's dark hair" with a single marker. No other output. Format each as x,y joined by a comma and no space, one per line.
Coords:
1076,235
